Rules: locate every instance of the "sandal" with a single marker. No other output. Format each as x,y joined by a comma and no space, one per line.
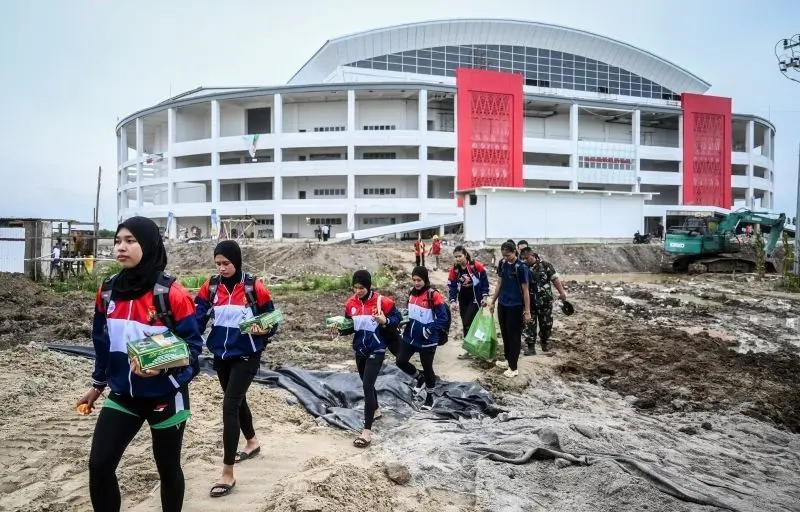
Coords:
226,490
360,442
242,456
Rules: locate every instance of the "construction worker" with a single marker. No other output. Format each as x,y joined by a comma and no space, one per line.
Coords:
419,251
436,250
542,274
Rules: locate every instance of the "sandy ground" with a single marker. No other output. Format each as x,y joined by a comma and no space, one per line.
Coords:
696,376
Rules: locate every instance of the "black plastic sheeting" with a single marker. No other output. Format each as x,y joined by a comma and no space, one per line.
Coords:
337,397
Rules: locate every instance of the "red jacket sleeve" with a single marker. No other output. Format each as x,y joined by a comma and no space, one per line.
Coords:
262,293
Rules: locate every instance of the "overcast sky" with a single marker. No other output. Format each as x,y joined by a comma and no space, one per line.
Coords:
72,68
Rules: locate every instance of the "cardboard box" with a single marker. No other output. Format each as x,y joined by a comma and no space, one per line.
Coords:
159,352
265,321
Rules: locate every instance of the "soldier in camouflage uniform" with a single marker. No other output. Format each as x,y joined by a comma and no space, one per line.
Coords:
543,276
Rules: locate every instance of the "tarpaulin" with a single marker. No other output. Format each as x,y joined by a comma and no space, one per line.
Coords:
338,398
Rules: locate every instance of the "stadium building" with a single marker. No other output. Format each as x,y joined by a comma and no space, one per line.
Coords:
375,134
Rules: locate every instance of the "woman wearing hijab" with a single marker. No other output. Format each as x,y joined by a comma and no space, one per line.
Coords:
372,315
427,319
160,397
231,298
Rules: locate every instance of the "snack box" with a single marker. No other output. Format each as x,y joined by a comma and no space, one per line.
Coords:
264,320
159,351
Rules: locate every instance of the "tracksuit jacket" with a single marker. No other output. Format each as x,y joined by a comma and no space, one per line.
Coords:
426,320
477,273
132,320
225,340
368,338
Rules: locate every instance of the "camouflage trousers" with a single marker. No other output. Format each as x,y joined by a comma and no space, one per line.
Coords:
541,317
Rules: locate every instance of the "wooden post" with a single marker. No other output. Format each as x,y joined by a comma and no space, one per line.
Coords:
97,214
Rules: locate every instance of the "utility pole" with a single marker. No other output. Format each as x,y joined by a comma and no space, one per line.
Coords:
97,213
787,51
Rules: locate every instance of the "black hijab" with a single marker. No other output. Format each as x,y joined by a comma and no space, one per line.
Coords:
134,282
422,273
233,253
364,278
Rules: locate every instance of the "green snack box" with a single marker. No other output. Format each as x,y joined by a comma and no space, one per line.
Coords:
159,352
265,321
342,323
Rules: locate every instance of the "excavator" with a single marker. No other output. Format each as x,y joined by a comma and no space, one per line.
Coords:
709,244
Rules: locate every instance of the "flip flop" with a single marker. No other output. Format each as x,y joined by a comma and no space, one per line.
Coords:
360,442
244,455
226,490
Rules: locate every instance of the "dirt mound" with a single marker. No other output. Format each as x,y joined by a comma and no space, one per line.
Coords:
590,259
683,350
34,313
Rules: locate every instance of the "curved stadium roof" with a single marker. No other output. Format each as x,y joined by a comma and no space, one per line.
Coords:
373,43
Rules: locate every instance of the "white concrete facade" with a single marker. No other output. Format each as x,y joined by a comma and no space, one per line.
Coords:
360,154
551,216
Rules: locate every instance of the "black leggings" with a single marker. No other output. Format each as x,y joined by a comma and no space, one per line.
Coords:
425,357
369,366
468,309
115,429
235,376
510,319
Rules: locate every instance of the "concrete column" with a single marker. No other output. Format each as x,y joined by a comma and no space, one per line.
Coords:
215,119
139,153
351,152
277,228
172,125
423,110
351,187
173,229
351,221
123,147
215,190
170,193
277,190
749,138
242,191
750,200
277,114
680,195
422,186
351,110
441,231
573,134
637,139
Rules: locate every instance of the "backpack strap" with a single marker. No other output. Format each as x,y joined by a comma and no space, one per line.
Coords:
105,292
250,292
161,300
213,284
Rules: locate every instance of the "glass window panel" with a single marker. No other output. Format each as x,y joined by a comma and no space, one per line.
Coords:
424,70
395,59
424,54
505,63
382,58
437,55
591,74
580,59
580,65
591,66
395,67
636,80
602,67
451,66
451,49
437,63
580,87
409,61
614,83
519,50
493,63
410,53
380,65
613,90
493,54
505,55
505,49
409,68
544,60
555,54
424,62
494,47
465,50
437,71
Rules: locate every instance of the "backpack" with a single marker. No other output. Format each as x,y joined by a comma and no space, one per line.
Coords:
444,336
160,297
249,292
391,334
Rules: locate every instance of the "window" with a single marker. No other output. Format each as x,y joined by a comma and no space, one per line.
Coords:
318,221
325,156
379,221
379,156
539,67
608,163
259,120
330,192
380,127
329,128
265,222
380,191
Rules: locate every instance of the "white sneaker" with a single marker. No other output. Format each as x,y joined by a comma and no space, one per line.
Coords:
501,364
511,373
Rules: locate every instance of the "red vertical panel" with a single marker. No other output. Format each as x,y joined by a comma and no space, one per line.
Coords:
707,145
490,126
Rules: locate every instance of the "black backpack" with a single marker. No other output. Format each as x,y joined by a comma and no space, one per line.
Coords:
160,297
444,337
249,292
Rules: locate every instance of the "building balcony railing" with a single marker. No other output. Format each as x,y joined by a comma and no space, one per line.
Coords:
546,172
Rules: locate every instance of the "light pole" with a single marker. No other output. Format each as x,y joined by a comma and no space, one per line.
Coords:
787,51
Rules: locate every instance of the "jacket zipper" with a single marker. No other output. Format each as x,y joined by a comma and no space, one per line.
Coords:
130,372
227,329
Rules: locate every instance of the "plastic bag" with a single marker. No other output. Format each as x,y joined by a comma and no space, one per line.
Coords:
481,340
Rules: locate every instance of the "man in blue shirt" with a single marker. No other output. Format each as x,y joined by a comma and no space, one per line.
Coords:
514,310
